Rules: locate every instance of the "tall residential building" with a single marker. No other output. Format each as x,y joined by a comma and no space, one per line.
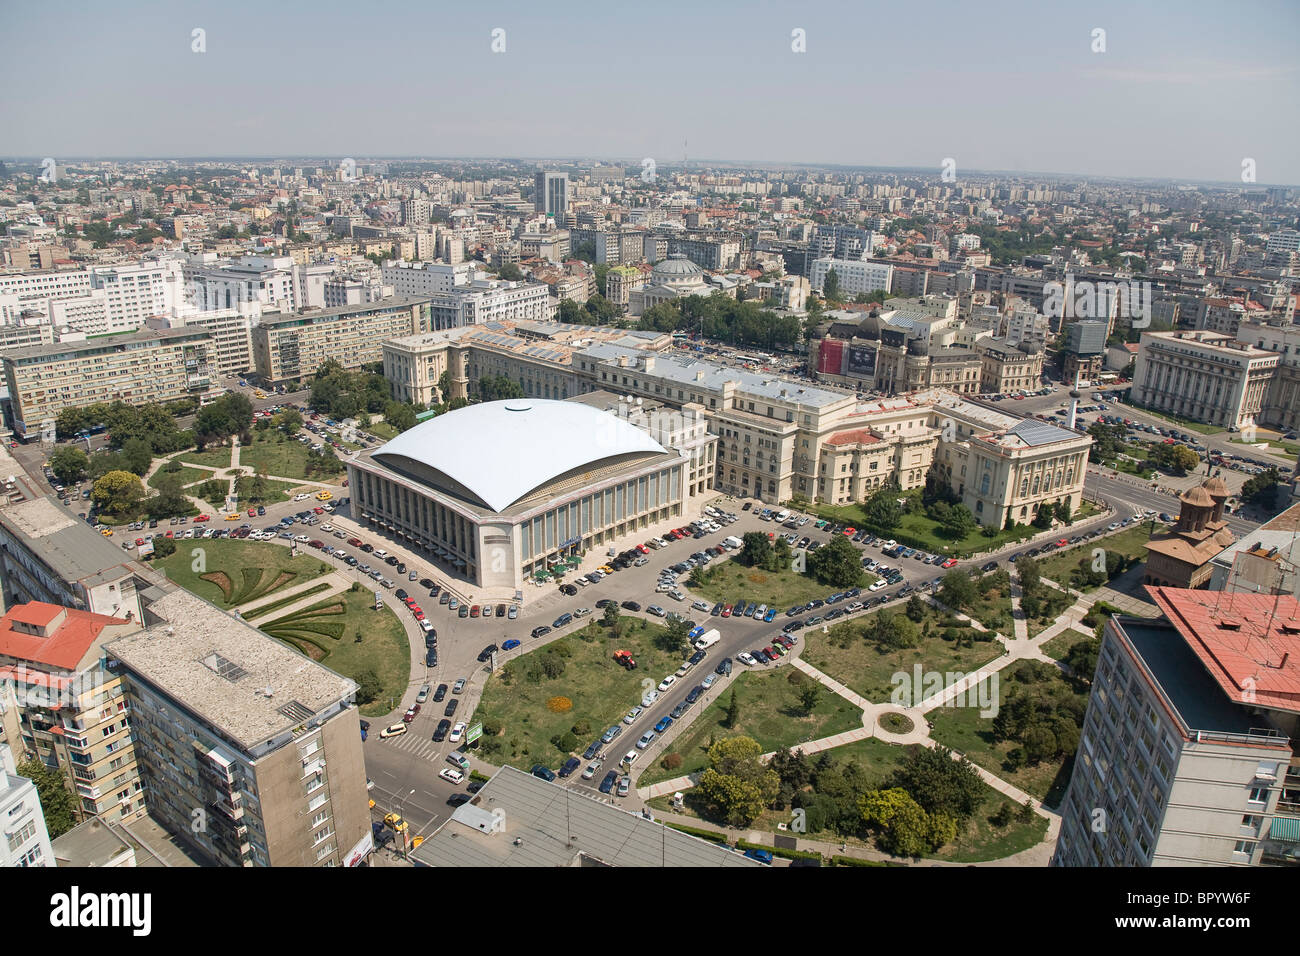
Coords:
1204,376
551,194
289,347
427,278
26,840
72,714
215,283
145,366
854,276
248,750
1186,754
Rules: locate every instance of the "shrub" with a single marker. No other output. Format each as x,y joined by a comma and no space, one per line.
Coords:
671,761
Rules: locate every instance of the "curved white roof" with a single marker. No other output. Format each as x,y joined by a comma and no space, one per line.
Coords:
501,451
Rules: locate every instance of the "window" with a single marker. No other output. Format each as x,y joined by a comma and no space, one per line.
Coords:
1258,795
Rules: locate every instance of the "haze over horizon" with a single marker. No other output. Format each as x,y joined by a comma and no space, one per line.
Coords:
1019,90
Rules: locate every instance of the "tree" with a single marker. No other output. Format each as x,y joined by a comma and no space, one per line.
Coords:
958,590
831,287
511,273
493,388
164,547
1063,512
810,693
369,687
610,616
902,823
883,510
737,786
915,610
170,499
959,522
673,638
939,783
755,549
117,493
601,309
573,313
1082,659
58,804
400,415
733,711
838,563
290,421
1044,514
69,464
138,456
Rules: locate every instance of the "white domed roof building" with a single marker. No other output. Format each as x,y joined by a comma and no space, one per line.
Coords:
672,278
499,491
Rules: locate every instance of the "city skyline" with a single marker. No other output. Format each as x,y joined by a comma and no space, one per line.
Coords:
686,82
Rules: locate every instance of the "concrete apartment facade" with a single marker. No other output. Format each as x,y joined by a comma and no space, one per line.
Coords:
249,751
1186,755
290,347
146,366
26,839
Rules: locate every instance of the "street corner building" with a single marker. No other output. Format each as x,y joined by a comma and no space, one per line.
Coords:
496,492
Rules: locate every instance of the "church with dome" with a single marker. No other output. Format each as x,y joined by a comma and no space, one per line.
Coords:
1182,557
673,278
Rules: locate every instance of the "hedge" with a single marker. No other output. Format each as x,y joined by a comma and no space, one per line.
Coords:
711,835
838,860
285,602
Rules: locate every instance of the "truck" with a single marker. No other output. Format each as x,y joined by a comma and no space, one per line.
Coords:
707,639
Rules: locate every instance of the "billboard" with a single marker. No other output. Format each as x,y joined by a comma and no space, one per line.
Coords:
474,732
365,846
862,361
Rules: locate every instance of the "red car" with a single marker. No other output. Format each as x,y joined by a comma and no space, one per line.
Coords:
474,610
726,611
203,518
419,615
950,563
410,714
643,549
1062,543
139,541
252,512
319,511
849,532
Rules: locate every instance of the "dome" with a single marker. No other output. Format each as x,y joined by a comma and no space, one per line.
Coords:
499,452
1216,488
1197,497
677,270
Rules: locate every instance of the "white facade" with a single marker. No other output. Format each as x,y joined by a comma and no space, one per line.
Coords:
854,277
426,278
25,840
211,283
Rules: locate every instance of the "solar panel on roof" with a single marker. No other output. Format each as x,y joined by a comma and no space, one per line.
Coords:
1039,433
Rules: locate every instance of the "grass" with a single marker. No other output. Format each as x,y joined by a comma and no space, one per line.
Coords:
600,691
275,491
993,606
918,531
867,670
264,563
218,457
1055,604
382,430
1058,647
965,730
1085,511
769,711
284,459
1184,422
186,475
731,581
1280,449
1130,541
265,609
384,648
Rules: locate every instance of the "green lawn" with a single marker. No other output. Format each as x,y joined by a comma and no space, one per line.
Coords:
1184,422
284,459
867,670
239,571
993,606
215,457
382,430
918,531
1279,449
327,632
1085,511
273,491
1130,541
1056,603
965,730
598,691
770,712
1060,645
731,581
186,475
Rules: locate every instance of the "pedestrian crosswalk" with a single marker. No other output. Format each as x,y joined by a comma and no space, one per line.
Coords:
417,745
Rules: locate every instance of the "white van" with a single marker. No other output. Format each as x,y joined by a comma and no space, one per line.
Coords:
782,517
731,542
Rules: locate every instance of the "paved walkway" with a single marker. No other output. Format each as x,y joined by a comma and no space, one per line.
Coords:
337,584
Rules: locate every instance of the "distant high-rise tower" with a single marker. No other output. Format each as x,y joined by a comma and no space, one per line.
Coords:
552,196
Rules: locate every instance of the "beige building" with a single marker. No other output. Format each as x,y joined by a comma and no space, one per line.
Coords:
1282,400
1205,376
287,348
1005,368
620,281
1182,557
248,750
71,710
145,366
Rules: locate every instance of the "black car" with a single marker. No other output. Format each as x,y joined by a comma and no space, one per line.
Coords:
606,602
430,640
834,613
697,657
717,609
905,589
591,751
746,506
501,610
457,799
696,692
400,594
678,710
450,710
487,653
630,606
544,773
761,656
607,784
793,626
570,765
431,657
440,693
723,669
440,734
569,589
539,631
990,566
426,583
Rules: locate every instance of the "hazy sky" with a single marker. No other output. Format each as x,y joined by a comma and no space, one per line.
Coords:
1183,89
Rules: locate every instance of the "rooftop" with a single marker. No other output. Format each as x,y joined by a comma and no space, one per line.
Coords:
64,647
220,668
66,544
546,825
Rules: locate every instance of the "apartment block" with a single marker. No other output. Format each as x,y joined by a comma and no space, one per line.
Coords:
1205,376
145,366
288,347
1186,755
248,750
26,839
71,710
855,277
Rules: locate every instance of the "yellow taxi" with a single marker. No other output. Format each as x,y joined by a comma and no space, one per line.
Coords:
107,532
605,569
415,844
396,822
323,496
233,516
259,394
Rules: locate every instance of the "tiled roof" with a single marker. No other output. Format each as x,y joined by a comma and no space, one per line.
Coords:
1249,643
63,649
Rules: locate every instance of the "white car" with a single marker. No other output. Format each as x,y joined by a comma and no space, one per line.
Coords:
630,756
880,583
300,497
632,715
891,543
650,697
746,658
709,681
455,776
457,732
663,588
302,537
592,769
677,595
700,605
582,612
327,527
668,682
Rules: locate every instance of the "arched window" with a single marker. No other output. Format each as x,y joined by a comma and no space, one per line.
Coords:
1024,486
